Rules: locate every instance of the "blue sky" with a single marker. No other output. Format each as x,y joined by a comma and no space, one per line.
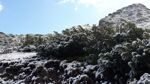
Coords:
46,16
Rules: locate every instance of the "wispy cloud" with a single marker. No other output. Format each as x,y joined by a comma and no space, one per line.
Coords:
86,3
66,1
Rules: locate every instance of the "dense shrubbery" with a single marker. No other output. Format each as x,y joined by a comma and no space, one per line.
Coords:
92,56
63,49
79,41
31,39
120,55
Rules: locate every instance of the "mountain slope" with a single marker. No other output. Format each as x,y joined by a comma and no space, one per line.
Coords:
135,13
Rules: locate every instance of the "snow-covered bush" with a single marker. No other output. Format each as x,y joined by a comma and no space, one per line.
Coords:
62,50
119,56
29,48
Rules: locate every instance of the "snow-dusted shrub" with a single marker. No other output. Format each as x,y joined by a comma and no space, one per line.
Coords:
29,48
72,47
52,63
121,55
112,68
139,64
120,37
91,59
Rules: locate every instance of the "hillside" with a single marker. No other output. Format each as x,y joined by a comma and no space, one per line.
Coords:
82,54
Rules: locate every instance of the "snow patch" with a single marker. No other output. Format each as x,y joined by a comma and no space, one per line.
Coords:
16,56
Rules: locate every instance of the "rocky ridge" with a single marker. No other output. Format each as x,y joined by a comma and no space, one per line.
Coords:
135,13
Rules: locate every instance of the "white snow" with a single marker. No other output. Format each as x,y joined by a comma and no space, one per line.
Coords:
144,79
88,68
16,56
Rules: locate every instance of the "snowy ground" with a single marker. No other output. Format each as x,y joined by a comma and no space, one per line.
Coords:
16,56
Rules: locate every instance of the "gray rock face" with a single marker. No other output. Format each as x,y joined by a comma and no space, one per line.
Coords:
135,13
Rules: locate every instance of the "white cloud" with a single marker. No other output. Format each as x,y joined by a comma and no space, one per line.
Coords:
104,4
76,8
67,1
1,7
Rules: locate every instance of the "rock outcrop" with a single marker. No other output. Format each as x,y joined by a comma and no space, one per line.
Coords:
135,13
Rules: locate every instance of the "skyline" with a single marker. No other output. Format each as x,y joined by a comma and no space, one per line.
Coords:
35,16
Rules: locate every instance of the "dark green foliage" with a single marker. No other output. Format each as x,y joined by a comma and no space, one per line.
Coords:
78,41
35,40
112,68
72,47
121,55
